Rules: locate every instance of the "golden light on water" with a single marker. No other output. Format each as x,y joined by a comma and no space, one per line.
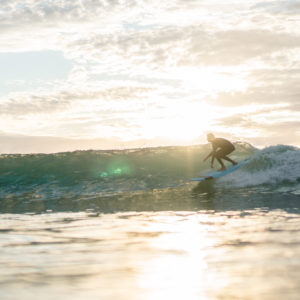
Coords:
152,255
180,269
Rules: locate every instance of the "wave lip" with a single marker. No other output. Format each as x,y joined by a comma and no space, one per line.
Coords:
276,166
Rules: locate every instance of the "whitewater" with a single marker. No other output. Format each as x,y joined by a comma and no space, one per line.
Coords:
129,224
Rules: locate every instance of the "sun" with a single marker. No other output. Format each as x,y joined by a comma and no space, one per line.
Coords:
181,122
186,119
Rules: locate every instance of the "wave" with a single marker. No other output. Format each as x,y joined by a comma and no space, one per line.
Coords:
84,173
277,167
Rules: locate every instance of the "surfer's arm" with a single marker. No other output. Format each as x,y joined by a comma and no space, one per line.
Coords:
212,155
208,156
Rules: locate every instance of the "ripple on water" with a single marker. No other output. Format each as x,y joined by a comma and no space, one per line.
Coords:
151,255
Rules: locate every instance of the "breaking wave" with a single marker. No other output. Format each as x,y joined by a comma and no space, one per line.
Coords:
81,174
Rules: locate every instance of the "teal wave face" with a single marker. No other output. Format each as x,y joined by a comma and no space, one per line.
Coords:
71,167
91,173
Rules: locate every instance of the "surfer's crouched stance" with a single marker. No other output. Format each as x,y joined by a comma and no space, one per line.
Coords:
221,148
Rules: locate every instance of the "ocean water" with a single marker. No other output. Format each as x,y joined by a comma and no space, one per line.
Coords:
129,224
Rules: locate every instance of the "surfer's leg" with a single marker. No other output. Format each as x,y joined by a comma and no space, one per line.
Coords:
218,156
224,153
222,165
228,159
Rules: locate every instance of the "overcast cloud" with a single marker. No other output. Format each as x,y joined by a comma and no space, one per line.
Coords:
138,66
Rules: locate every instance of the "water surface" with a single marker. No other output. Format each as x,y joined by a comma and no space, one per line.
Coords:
129,225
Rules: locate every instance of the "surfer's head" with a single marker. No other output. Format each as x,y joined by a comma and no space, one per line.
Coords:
210,137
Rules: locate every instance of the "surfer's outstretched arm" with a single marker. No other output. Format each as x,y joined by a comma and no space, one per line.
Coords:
212,155
208,156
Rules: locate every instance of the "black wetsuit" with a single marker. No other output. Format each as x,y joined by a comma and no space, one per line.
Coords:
222,147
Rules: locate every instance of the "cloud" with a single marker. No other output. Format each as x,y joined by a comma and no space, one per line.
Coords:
46,103
266,86
272,118
33,25
234,47
289,7
94,30
263,126
43,12
134,60
160,49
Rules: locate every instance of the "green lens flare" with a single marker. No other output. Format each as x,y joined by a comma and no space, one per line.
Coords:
117,171
116,168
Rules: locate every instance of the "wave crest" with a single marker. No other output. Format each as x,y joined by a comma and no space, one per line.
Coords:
276,166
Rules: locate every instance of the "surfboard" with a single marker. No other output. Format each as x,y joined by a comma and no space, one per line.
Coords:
217,174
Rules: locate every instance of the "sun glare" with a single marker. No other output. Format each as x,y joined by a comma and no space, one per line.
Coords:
184,122
210,81
180,271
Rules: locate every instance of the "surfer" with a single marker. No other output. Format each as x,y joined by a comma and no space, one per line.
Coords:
221,148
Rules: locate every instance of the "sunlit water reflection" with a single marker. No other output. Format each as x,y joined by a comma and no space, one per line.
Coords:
253,254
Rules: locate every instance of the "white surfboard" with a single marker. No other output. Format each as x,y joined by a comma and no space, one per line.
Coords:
217,174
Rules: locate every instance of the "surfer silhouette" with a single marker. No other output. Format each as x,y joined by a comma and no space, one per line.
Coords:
221,148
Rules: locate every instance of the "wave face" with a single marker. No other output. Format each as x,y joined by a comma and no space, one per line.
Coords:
277,167
83,174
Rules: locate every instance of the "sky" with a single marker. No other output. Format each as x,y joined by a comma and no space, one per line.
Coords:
115,74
